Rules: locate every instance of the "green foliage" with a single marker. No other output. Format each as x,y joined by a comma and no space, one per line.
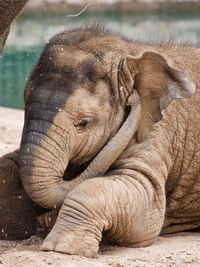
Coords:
15,67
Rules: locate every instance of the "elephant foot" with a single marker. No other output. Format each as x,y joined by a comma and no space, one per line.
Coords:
72,242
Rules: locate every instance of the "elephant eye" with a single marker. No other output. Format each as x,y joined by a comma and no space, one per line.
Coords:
84,122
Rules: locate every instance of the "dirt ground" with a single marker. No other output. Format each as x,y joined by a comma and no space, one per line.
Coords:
177,250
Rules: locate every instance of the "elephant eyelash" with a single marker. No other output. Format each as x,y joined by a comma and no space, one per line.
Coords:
83,122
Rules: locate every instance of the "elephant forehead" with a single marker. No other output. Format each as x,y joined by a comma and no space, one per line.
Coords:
82,101
84,61
68,56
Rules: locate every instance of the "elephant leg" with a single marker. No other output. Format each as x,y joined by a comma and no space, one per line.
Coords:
18,216
47,220
124,209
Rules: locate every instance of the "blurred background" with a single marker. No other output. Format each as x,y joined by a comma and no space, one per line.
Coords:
148,20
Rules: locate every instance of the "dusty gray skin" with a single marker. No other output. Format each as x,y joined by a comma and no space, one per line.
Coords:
77,99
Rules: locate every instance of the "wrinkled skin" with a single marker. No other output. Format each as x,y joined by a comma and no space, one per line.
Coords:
76,102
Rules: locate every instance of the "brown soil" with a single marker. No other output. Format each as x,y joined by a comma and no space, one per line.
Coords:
179,250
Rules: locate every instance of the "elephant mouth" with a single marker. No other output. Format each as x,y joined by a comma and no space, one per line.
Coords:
74,170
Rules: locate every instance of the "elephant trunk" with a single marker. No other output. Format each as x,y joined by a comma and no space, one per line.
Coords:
42,170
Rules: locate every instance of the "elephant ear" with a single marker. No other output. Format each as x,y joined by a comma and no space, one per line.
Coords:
157,85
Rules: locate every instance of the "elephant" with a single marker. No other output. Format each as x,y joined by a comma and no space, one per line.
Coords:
110,139
9,10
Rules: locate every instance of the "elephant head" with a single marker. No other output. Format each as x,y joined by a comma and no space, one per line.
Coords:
82,108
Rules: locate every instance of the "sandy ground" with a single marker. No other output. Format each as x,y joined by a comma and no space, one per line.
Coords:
182,249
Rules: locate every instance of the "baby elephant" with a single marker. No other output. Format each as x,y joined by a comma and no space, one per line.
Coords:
102,143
